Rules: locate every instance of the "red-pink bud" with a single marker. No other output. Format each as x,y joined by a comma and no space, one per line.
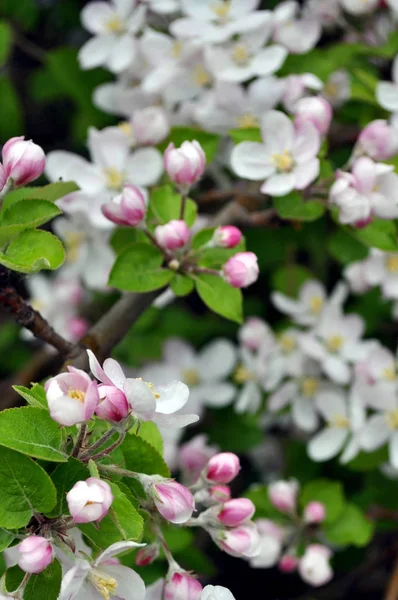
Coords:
128,208
241,270
185,165
173,500
181,586
227,236
150,125
145,556
35,554
222,468
89,500
288,563
283,495
175,234
314,512
113,404
379,140
314,110
236,512
23,161
242,541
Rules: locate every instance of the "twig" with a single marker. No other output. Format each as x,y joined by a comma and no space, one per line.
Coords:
108,450
29,47
392,588
100,442
80,440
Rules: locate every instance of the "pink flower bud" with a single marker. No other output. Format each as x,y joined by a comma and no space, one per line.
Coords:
181,586
145,556
3,179
314,110
236,512
227,236
23,161
150,125
128,208
113,404
288,563
241,270
89,500
173,500
242,541
175,234
194,455
254,333
220,493
72,397
314,512
378,140
35,554
222,468
185,165
283,495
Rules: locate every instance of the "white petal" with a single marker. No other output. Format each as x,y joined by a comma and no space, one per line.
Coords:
277,132
108,148
269,60
393,450
180,353
140,398
174,420
211,592
122,54
173,396
327,444
375,433
279,184
331,403
97,370
70,167
337,369
95,16
114,372
217,360
96,51
251,161
306,173
129,584
387,95
114,550
144,167
283,396
73,580
303,413
286,304
249,399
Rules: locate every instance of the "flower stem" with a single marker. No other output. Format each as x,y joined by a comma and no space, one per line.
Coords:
100,442
80,440
108,450
183,204
112,470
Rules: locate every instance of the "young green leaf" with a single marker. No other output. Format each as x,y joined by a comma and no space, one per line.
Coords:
352,527
329,493
378,234
138,269
33,250
142,457
181,285
27,214
35,396
165,205
220,297
50,192
46,584
294,208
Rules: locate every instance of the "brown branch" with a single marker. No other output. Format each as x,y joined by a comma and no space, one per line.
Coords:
392,588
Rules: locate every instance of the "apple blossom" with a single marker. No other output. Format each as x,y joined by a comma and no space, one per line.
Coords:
235,512
382,427
386,91
241,270
287,159
307,308
222,468
113,405
359,7
314,512
173,235
89,500
150,125
72,397
378,140
181,586
315,110
185,165
297,87
337,89
173,500
283,495
23,161
254,333
298,35
227,236
241,542
314,567
271,538
146,555
216,592
127,208
194,455
35,553
287,563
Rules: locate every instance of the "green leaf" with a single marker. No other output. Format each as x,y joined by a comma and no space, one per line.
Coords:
329,493
208,141
178,539
202,237
293,207
151,434
14,578
32,251
26,214
24,13
234,432
33,432
138,269
64,478
165,205
246,135
5,42
6,537
11,122
220,297
24,487
352,527
181,285
125,236
50,192
346,249
46,584
142,457
35,396
378,234
289,280
369,461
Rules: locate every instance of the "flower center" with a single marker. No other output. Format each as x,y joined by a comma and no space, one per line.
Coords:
191,376
389,374
73,243
200,76
248,121
114,25
339,421
240,55
114,178
309,386
334,343
392,263
316,304
177,49
222,9
243,374
392,419
331,89
151,386
288,343
126,128
105,585
77,395
283,162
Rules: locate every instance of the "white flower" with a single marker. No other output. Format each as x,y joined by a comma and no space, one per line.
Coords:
101,579
114,26
359,7
387,92
342,418
287,158
297,35
271,543
381,268
307,308
337,89
297,87
382,427
216,592
314,567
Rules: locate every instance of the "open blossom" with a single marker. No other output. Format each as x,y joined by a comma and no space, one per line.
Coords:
241,270
185,165
103,578
35,553
127,208
23,161
89,500
368,191
382,427
314,567
254,333
359,7
271,538
297,87
307,308
315,110
379,140
378,269
283,495
298,35
287,159
194,455
150,125
181,586
113,25
173,235
72,397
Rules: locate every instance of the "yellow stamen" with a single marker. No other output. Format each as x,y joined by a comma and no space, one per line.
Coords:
392,263
334,343
392,419
222,9
309,386
114,178
177,49
339,421
104,584
389,374
191,376
283,162
243,374
114,25
288,342
248,121
200,76
151,386
316,304
77,395
240,55
126,128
